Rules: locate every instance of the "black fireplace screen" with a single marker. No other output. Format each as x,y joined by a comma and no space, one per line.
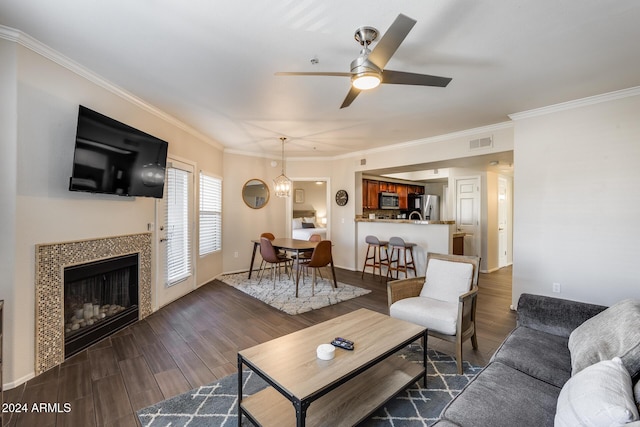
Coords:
99,298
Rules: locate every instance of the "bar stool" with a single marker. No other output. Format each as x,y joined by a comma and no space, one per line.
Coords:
399,246
377,261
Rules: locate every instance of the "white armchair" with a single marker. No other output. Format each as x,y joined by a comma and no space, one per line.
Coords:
444,301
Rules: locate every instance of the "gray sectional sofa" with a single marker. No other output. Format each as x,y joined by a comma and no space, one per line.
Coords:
521,384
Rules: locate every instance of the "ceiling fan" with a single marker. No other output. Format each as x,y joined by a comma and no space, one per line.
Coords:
367,70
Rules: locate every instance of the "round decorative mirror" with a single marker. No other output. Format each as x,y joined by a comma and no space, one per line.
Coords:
255,193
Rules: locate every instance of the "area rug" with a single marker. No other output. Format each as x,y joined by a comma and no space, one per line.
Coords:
283,297
216,404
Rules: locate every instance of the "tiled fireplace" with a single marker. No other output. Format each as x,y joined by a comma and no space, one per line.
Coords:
107,308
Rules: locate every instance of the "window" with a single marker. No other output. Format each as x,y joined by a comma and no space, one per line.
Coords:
177,220
210,214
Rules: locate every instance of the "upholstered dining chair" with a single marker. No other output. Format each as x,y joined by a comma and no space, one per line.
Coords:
270,256
305,256
321,257
444,300
269,236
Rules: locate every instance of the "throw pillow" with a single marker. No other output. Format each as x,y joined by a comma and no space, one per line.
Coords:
309,219
296,223
308,225
599,395
615,332
446,280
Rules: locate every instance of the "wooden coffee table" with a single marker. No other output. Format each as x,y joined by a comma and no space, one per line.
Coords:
341,391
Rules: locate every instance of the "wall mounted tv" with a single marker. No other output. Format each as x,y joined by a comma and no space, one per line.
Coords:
113,158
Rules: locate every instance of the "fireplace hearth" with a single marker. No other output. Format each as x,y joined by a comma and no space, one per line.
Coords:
100,298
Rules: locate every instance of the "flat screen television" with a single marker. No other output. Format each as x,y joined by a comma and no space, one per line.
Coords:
113,158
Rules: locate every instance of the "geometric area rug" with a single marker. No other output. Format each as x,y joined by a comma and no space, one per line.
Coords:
216,404
283,295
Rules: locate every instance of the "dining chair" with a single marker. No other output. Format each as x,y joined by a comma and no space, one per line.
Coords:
321,257
444,300
269,236
305,256
270,256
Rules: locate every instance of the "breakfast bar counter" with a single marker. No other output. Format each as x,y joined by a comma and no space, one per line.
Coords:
429,236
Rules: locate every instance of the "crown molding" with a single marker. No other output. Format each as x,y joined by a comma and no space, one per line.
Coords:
582,102
45,51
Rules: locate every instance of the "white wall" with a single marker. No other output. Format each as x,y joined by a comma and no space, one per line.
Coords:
577,202
40,114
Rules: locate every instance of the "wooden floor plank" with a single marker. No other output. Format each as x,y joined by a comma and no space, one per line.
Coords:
195,340
110,400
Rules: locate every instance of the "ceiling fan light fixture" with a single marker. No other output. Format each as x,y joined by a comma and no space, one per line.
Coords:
366,81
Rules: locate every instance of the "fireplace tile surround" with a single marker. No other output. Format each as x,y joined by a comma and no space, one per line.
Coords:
51,259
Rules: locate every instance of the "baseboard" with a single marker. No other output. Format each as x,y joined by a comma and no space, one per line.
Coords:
19,381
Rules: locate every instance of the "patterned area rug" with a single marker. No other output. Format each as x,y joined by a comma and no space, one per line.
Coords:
283,297
216,404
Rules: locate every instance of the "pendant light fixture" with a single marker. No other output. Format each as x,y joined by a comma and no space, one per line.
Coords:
282,184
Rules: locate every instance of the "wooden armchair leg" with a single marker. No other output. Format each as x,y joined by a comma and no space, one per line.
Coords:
459,356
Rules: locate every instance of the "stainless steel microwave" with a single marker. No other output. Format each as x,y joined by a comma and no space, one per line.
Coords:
388,201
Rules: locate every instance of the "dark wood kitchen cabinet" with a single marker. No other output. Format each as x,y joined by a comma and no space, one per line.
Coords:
370,190
403,192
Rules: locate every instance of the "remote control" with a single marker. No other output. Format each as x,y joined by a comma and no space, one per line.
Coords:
342,343
340,339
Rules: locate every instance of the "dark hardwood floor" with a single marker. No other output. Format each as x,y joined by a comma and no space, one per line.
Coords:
194,341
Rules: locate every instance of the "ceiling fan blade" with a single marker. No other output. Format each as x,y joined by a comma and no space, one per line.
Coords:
403,78
312,73
391,40
353,92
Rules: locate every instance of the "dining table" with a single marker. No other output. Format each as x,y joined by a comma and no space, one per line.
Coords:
296,246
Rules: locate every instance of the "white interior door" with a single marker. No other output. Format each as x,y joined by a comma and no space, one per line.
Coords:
175,219
503,222
468,213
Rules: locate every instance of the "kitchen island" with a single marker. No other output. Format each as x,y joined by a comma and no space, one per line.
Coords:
429,236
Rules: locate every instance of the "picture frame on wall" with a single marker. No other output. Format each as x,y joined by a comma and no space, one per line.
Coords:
299,196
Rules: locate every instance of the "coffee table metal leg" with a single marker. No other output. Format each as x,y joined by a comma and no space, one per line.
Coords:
301,412
239,390
424,356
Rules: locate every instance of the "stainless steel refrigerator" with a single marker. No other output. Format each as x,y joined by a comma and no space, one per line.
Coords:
428,205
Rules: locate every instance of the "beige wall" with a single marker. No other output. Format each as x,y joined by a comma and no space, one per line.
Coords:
577,202
241,224
40,111
315,197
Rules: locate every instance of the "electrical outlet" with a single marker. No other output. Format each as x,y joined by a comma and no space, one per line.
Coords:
235,254
556,288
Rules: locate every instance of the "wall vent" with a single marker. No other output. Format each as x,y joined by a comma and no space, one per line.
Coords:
363,162
480,143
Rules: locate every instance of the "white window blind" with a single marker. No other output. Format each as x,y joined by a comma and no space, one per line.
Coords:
210,214
177,220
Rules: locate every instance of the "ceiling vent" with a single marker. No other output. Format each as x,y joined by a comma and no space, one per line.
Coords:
363,162
477,144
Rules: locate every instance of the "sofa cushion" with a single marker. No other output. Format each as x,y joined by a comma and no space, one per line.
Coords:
599,395
501,396
611,333
439,316
447,280
539,354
